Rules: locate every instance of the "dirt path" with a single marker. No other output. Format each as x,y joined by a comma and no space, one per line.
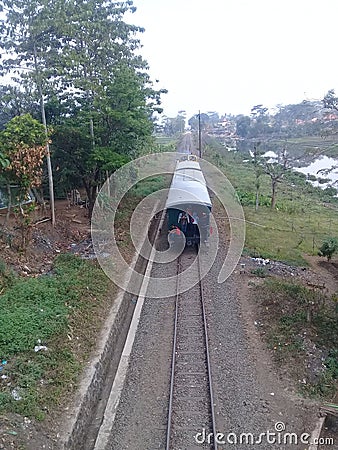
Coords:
326,271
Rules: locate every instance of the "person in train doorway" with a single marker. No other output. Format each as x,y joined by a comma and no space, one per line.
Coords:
191,222
204,227
196,220
183,221
174,236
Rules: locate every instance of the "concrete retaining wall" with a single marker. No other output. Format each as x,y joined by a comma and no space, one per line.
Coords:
77,421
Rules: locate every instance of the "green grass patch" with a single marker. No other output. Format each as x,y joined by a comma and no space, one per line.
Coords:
150,185
303,218
61,311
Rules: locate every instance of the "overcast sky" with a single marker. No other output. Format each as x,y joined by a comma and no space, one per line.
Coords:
229,55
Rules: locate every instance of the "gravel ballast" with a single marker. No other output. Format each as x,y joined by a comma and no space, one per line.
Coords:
249,397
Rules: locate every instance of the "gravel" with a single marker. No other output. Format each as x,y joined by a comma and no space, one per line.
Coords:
141,419
248,395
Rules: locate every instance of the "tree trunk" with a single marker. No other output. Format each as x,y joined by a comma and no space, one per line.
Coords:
9,204
273,196
91,191
49,163
257,194
38,194
91,129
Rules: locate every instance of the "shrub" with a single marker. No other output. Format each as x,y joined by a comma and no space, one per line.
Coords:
328,248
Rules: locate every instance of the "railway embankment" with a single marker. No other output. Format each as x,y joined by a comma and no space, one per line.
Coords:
254,379
251,394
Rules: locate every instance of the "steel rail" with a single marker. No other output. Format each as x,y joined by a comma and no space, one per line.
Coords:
207,353
211,392
173,360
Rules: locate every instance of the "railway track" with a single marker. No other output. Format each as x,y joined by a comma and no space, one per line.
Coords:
191,402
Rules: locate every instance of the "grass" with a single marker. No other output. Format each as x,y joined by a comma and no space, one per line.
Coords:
300,327
62,312
303,218
150,185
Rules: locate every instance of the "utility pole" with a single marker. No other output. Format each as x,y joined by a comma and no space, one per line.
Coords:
44,122
199,135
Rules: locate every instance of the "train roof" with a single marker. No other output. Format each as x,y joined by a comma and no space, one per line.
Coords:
189,175
187,164
188,186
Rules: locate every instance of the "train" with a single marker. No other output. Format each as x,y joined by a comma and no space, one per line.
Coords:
188,204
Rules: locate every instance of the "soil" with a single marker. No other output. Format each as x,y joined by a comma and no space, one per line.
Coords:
72,234
72,228
320,275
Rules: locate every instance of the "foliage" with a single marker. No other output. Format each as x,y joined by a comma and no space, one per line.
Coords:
328,248
92,85
259,272
330,100
23,142
4,162
249,198
16,102
204,121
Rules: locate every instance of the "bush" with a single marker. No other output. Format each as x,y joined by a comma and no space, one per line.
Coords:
328,248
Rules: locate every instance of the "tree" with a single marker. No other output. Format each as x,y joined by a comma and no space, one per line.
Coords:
110,89
201,119
258,112
23,142
257,161
276,168
328,248
28,36
330,101
15,102
259,122
243,126
123,130
82,54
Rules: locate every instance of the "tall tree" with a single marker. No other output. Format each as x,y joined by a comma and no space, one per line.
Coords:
276,168
15,102
82,54
258,162
95,40
23,142
330,101
28,36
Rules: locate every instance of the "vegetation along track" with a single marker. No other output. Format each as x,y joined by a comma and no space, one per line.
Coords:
191,404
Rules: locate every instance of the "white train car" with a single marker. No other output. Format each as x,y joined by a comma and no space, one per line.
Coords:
188,205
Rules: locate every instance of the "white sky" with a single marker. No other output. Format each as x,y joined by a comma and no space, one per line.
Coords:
229,55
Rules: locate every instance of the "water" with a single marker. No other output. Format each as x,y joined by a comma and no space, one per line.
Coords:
324,162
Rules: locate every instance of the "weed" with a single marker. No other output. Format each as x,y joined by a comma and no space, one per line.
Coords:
7,276
47,310
326,385
284,312
259,272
